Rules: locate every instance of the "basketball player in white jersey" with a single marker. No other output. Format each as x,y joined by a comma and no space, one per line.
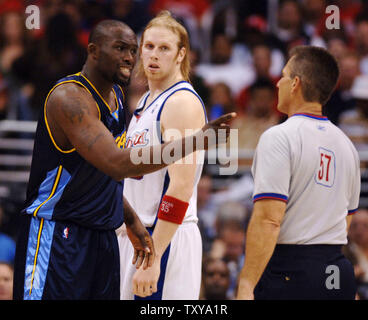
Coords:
307,185
166,200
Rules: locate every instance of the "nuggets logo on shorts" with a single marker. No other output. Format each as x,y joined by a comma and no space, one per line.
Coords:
138,139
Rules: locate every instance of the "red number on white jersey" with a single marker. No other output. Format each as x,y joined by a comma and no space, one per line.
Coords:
327,168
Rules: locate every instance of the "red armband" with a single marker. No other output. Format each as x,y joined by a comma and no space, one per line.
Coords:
172,209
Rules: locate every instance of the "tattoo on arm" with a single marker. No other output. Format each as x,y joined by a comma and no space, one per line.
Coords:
75,110
90,138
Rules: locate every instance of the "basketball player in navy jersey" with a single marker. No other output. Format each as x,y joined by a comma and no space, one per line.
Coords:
67,247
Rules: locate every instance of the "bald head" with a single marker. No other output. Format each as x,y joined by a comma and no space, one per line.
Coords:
105,28
112,49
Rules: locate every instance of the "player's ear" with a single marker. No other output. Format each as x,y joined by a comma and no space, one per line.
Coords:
181,54
92,50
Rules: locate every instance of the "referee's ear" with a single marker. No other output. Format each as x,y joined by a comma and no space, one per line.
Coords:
296,84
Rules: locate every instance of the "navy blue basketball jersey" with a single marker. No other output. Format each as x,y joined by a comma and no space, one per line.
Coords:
63,185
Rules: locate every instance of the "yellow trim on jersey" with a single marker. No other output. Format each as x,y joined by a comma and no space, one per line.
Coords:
36,254
122,92
56,182
107,105
117,105
45,116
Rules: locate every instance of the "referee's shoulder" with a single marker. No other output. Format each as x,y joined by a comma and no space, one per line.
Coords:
275,135
278,130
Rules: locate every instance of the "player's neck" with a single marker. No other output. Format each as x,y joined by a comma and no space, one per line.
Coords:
103,87
158,86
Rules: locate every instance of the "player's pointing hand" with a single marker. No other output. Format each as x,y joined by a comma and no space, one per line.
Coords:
216,131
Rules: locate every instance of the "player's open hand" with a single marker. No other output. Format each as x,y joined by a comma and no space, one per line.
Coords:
144,251
215,132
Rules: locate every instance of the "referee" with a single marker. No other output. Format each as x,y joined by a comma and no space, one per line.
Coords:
307,184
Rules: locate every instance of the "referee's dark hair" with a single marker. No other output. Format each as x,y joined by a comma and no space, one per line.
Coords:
318,71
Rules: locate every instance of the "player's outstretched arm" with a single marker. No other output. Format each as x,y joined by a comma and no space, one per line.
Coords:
74,123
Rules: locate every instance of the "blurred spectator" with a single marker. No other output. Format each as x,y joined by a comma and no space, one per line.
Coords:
195,8
349,9
313,12
262,61
188,12
341,99
13,39
14,104
355,122
7,244
215,279
93,11
73,8
290,29
259,114
221,101
248,8
231,221
3,99
206,210
57,54
219,18
11,5
358,249
231,245
134,13
197,81
289,26
221,69
211,205
349,70
361,41
221,49
231,215
337,43
6,281
204,191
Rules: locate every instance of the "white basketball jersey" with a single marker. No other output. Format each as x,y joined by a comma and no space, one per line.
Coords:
312,165
145,193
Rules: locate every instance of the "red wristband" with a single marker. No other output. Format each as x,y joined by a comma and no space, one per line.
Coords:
172,209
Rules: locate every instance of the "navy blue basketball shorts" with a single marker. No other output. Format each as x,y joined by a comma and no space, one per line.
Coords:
307,272
63,260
